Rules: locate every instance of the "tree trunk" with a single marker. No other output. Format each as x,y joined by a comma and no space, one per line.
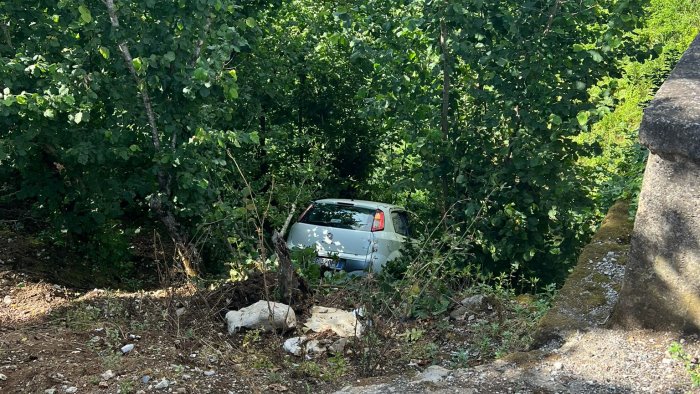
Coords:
444,115
186,253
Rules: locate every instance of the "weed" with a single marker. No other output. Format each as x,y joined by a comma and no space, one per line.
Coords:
250,338
82,318
460,359
310,369
111,360
262,362
337,366
692,364
412,335
126,386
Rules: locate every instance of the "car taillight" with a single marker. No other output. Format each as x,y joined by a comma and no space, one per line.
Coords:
378,224
305,212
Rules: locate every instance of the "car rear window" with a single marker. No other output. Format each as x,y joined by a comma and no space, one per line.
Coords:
340,216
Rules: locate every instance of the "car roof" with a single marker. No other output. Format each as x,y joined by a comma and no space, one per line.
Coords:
360,203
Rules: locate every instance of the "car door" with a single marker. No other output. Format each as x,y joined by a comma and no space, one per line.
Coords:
401,233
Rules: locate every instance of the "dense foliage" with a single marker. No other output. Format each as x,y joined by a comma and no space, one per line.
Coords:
206,120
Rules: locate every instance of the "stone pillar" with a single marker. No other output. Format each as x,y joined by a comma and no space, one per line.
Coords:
661,289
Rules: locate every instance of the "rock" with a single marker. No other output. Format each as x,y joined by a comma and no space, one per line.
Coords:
71,389
107,375
50,391
338,347
660,289
186,377
257,316
145,379
103,384
7,300
181,390
432,374
163,384
475,304
314,348
342,323
210,372
294,345
127,348
3,377
558,366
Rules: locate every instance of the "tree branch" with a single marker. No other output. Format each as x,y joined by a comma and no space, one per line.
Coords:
140,85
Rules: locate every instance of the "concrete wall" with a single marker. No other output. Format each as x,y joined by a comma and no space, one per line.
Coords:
661,289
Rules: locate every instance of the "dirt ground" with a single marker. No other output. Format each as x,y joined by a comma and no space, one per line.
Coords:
56,338
61,339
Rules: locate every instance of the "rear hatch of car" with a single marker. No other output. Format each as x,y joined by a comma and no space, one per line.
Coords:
335,230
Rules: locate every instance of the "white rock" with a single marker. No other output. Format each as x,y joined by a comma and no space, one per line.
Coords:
7,300
3,377
107,375
163,384
210,372
338,347
72,389
342,323
558,366
50,391
293,345
314,348
263,315
127,348
433,374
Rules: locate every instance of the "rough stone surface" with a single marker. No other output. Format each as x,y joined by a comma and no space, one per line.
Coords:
433,373
661,289
342,323
671,123
263,315
590,292
294,345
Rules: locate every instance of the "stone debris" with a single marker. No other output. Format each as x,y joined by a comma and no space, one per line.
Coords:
472,305
342,323
163,384
108,375
264,315
71,390
3,377
338,347
294,345
127,348
432,374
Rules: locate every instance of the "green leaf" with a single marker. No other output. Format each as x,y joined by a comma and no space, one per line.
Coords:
596,56
255,137
137,63
250,22
582,118
134,148
232,93
49,113
556,119
200,74
85,14
104,52
169,56
21,100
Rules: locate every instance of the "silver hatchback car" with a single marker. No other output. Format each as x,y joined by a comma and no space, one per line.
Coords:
355,236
